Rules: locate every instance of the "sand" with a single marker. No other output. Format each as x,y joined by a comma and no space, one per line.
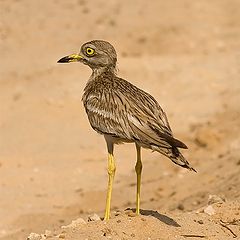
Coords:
53,165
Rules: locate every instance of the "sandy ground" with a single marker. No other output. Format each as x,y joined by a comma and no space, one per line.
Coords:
53,165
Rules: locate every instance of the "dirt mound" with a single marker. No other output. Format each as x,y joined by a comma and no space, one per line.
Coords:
216,223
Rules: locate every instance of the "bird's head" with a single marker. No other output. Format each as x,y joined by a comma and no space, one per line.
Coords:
96,54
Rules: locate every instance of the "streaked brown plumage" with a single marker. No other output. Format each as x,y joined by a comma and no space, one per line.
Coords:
121,111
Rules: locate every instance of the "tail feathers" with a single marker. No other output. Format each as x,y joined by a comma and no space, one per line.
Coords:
178,143
181,161
175,155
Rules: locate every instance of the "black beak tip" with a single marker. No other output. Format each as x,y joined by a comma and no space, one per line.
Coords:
63,60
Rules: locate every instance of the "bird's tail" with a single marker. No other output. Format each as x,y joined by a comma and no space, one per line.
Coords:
175,155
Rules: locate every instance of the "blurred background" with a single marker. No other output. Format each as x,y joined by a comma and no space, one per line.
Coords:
53,165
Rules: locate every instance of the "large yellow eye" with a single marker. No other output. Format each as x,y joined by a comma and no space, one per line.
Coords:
90,51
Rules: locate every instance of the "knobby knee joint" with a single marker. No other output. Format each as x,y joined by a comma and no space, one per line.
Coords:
111,165
138,167
111,169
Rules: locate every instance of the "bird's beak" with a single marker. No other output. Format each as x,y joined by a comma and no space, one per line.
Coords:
71,58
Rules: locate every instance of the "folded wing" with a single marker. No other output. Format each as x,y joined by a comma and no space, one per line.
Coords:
132,117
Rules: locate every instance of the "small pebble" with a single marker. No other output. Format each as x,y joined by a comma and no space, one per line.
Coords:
75,224
34,236
180,206
93,217
48,233
215,199
209,210
61,236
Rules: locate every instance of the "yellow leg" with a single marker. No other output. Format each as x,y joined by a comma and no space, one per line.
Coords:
111,173
138,169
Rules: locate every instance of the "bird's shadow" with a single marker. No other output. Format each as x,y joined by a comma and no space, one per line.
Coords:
161,217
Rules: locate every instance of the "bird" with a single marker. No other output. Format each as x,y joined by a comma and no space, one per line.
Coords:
123,113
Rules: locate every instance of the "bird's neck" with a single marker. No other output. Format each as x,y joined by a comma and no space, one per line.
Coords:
96,72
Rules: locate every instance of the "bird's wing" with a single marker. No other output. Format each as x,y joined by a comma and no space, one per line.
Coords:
129,113
146,118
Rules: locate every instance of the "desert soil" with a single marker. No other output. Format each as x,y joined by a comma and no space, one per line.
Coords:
53,165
